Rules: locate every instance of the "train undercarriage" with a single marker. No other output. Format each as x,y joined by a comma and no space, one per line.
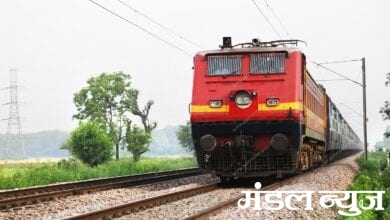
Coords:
239,158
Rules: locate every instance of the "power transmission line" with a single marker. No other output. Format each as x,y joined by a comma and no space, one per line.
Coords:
327,80
277,18
262,13
159,24
13,137
141,28
330,70
350,108
342,61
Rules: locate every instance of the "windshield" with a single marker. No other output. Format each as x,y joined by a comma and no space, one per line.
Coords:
224,65
267,63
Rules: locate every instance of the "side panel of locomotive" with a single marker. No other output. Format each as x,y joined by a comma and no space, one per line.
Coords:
314,109
312,151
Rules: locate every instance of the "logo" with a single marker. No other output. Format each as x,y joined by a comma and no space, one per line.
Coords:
277,200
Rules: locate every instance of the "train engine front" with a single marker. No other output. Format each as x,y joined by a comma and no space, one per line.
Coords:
247,108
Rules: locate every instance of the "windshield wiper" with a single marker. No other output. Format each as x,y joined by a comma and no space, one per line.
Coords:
231,73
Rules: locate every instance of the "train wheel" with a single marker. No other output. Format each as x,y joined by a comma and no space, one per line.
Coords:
225,179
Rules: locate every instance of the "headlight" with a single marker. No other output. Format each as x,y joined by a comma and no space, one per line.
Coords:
215,103
272,102
243,99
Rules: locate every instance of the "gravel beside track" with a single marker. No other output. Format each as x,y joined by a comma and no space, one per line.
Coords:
185,207
75,205
335,176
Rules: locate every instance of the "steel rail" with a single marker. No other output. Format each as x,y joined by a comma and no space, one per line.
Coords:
203,214
15,198
135,206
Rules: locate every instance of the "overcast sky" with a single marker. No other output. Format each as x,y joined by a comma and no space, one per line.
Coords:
57,45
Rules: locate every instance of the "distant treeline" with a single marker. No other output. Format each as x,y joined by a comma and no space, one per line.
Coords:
385,143
35,145
46,144
165,142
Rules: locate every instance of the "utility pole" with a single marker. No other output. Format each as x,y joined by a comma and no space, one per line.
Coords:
364,107
13,136
363,85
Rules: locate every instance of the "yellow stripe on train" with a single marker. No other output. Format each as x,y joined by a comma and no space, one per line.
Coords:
281,106
208,109
261,107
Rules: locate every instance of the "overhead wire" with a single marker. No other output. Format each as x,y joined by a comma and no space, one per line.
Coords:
350,108
141,28
344,14
341,75
266,18
351,120
355,112
277,18
159,24
342,61
327,80
25,21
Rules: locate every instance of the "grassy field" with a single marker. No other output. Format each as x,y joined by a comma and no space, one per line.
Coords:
373,175
18,175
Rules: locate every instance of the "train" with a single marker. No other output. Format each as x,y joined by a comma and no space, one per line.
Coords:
257,112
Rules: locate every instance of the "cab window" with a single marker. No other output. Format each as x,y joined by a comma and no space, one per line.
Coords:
267,63
224,65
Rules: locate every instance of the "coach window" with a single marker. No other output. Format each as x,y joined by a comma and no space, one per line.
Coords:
267,63
224,65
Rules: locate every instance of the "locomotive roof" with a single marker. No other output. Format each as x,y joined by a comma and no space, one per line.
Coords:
249,50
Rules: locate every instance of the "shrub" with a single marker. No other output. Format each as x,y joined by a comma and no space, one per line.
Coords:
386,177
69,164
137,141
372,177
89,143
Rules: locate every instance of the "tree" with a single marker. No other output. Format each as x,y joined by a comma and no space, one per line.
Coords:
107,100
385,110
144,114
184,137
386,139
137,141
90,143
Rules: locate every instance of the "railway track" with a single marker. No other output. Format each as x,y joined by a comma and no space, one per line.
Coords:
203,214
21,197
136,206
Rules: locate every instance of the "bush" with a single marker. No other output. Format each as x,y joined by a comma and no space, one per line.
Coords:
372,177
386,177
90,144
137,141
69,164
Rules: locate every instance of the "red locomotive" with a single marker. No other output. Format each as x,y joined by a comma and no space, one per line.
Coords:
256,111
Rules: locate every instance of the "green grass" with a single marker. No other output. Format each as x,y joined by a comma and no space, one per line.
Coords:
33,174
373,176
